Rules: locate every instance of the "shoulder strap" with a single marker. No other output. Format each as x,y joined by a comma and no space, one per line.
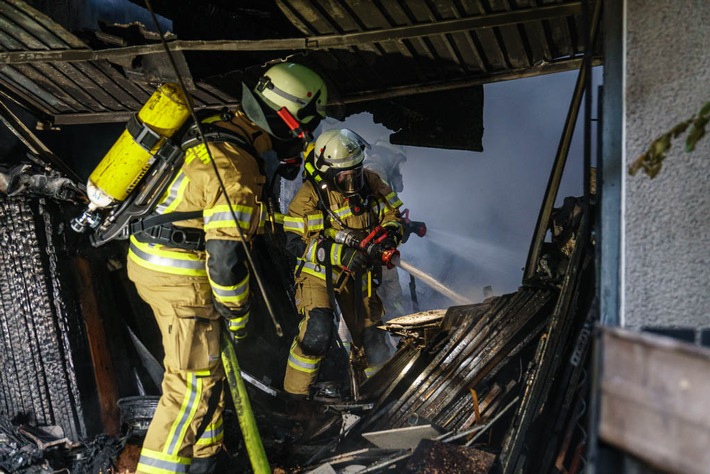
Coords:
324,206
154,220
214,133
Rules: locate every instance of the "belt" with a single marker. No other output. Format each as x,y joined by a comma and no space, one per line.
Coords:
150,230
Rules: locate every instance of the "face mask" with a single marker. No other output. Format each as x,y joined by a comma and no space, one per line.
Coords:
349,181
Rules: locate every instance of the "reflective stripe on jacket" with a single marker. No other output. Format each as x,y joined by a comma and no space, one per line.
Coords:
307,221
196,187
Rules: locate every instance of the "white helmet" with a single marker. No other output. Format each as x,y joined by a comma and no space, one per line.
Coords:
295,87
294,93
338,155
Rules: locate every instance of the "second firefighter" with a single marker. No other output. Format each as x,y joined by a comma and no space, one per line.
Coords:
338,196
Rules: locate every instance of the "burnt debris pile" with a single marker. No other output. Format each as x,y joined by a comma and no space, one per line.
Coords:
497,386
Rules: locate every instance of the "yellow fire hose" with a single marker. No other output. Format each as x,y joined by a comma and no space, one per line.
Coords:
245,415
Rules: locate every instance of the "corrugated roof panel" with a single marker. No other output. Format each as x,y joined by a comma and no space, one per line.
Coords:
369,50
504,37
67,92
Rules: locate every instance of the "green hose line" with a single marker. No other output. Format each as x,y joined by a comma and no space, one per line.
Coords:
247,422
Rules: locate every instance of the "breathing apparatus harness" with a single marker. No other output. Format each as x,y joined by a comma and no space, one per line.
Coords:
358,205
159,228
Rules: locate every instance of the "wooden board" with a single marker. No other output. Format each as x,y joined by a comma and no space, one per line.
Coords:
655,400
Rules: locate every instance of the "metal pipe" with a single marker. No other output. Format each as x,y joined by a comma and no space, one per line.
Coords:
558,167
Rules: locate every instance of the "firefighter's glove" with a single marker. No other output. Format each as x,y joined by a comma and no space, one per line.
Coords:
390,243
391,240
236,319
353,261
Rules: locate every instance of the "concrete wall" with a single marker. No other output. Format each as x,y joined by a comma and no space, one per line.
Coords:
665,269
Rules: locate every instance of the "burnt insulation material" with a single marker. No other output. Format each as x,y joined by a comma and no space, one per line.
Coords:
40,326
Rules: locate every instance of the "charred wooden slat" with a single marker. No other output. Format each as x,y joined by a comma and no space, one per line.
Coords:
549,351
438,389
43,341
469,374
459,339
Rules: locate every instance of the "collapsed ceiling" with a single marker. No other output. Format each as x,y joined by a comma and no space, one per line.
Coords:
416,65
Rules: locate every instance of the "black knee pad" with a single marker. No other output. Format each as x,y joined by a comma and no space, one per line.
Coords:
374,341
319,330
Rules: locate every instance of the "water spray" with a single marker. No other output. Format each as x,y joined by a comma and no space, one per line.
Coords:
432,282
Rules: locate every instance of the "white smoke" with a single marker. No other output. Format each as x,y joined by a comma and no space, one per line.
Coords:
481,208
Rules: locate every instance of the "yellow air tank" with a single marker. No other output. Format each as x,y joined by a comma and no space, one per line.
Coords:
131,155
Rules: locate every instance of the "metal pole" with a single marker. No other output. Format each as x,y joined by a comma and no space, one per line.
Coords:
558,167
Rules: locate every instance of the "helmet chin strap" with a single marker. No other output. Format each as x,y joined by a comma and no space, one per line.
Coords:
294,125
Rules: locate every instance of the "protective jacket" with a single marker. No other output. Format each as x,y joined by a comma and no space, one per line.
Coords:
189,286
196,188
308,216
310,213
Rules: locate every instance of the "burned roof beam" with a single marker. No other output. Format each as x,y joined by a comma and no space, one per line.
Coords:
103,117
32,142
309,43
371,95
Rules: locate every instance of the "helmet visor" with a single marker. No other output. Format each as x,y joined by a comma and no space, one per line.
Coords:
349,181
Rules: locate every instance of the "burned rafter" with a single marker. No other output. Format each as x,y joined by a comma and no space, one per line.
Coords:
32,142
295,44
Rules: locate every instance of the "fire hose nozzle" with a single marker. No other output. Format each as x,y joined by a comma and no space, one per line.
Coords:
417,227
388,256
373,250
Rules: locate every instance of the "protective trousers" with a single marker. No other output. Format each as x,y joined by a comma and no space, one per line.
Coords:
188,420
313,302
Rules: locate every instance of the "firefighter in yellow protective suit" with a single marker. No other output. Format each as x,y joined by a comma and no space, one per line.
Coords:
192,271
341,195
385,160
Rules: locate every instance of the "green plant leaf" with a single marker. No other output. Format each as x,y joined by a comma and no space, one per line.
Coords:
680,128
651,161
697,131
